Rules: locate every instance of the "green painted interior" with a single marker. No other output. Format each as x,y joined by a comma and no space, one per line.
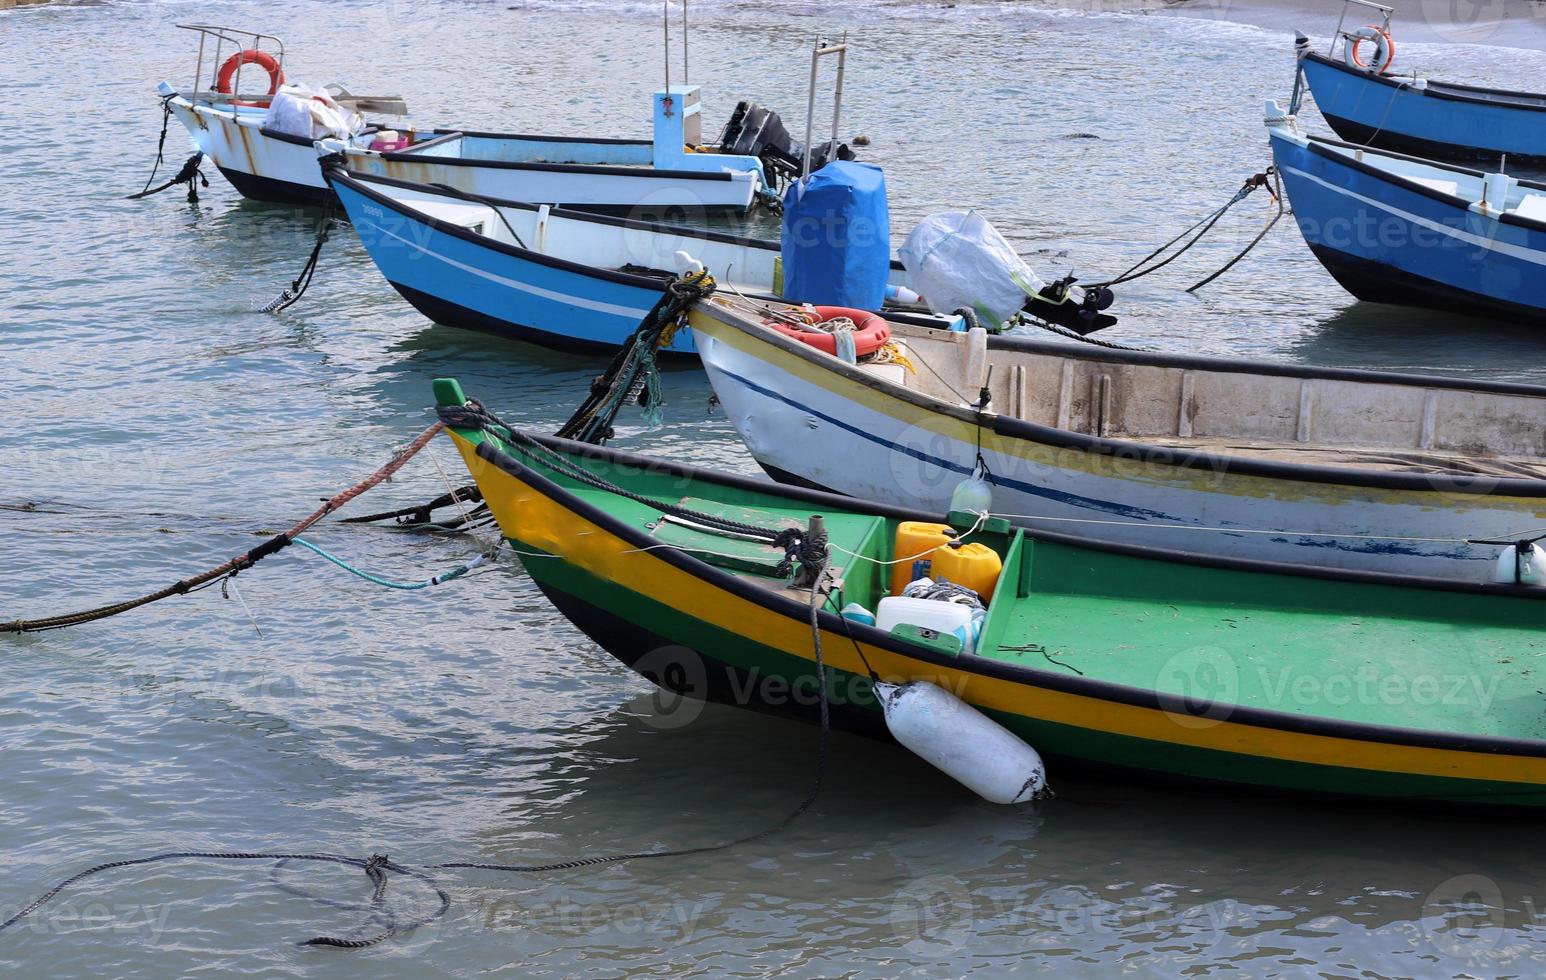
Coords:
1383,655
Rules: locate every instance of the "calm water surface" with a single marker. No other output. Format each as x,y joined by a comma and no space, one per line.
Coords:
152,424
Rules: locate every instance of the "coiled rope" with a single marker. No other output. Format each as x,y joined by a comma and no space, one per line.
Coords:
377,866
239,563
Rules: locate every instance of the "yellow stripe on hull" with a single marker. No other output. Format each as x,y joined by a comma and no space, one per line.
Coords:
539,522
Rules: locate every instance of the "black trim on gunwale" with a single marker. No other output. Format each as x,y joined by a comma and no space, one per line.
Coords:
1448,91
352,180
1059,681
613,220
537,138
1415,146
1148,452
596,169
1318,145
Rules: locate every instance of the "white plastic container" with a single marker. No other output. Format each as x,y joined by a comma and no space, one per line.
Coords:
932,614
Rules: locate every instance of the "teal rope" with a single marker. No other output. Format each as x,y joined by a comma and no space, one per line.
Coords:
454,573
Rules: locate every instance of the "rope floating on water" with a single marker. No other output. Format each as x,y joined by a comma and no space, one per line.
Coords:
454,573
241,562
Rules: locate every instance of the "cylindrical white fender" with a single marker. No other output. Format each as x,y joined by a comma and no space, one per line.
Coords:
962,742
1516,567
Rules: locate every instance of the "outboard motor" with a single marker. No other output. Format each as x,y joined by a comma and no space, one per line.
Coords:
754,130
1080,310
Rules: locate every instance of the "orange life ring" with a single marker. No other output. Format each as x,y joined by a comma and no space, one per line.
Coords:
1384,49
871,332
249,56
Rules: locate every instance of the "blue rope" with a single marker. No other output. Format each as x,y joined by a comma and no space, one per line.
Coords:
456,572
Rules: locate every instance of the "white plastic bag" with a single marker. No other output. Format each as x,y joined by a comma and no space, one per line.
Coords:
298,110
956,259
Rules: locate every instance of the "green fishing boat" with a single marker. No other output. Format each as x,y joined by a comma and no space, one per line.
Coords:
1238,673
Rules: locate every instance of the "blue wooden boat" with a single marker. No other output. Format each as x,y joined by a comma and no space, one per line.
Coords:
569,280
1417,115
1396,229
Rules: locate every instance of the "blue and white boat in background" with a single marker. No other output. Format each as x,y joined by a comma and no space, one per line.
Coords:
267,160
1364,103
1396,229
564,279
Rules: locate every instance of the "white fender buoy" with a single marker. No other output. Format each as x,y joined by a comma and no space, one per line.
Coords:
962,742
1520,564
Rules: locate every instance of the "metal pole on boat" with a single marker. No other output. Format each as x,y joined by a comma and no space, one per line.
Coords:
841,50
810,110
686,80
665,23
837,98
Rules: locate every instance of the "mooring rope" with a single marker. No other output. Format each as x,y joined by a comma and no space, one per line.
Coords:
241,562
1137,270
377,865
375,868
633,375
190,173
298,286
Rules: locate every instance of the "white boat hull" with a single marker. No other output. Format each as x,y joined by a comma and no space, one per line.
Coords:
269,166
806,423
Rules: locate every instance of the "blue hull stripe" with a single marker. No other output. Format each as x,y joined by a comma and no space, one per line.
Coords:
1137,514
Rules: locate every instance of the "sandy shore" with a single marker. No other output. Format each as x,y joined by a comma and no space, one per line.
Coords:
8,4
1512,23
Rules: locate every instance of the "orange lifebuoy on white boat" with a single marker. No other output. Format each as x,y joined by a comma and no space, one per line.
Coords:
1384,49
249,56
870,331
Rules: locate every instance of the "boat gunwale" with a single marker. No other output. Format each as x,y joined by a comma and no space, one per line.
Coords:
1151,453
351,179
602,170
1231,365
535,137
1318,146
973,663
1458,95
360,183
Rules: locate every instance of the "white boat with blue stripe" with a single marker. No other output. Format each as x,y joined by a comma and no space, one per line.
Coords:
564,279
264,159
1404,474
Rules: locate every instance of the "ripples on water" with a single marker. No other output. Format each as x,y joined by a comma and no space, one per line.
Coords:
160,426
